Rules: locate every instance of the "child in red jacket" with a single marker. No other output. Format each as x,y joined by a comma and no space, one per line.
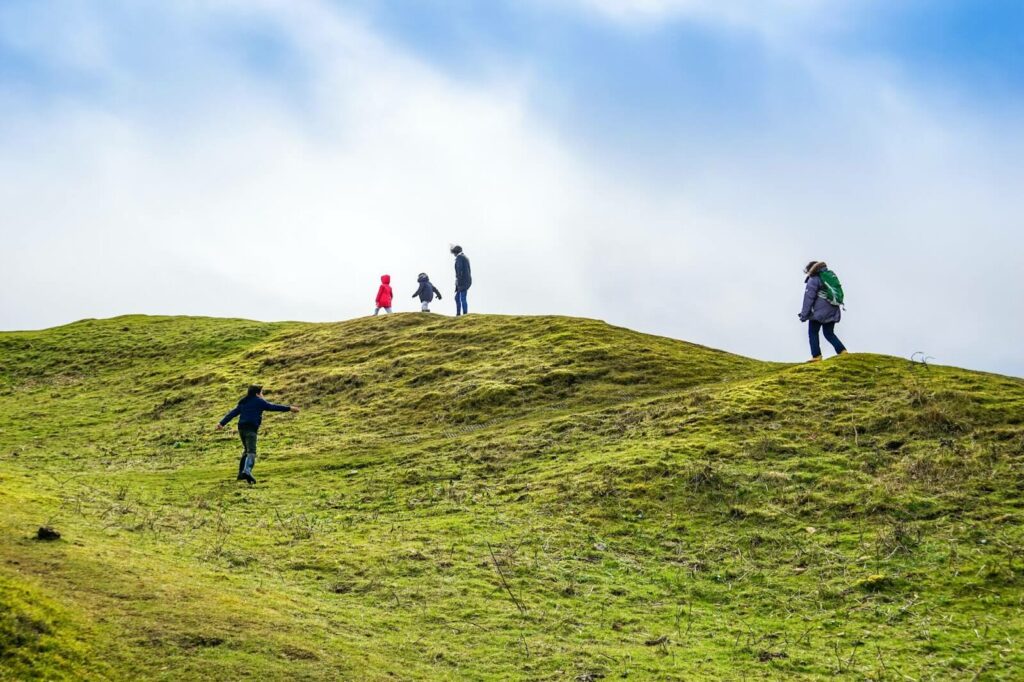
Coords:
384,295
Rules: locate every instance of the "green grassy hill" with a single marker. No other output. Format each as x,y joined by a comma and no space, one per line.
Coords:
492,498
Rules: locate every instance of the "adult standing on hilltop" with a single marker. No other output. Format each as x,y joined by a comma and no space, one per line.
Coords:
823,296
463,280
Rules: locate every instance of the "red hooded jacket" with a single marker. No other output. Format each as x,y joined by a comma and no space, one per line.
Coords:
384,293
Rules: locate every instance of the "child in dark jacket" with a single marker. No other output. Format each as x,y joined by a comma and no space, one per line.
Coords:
250,411
384,295
426,292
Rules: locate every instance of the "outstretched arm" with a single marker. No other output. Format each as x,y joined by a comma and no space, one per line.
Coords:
229,416
272,407
436,292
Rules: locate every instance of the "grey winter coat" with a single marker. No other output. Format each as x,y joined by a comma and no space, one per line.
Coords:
816,306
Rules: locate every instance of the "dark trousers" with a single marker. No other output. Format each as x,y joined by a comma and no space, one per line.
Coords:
461,308
248,436
830,335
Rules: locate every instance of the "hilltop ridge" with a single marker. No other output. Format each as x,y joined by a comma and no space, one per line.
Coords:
496,497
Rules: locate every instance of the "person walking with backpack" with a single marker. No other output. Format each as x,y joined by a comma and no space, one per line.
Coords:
250,411
384,295
463,280
426,292
823,296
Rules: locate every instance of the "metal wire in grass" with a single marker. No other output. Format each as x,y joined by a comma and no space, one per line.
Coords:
920,358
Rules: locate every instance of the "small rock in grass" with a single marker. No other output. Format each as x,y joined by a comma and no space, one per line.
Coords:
766,656
47,533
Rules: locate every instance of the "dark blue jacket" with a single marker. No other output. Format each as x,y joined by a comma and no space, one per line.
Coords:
463,277
250,411
426,291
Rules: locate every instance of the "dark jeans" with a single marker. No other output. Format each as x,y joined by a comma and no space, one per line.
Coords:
829,329
248,436
461,308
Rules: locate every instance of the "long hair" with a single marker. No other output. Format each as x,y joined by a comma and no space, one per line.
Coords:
253,391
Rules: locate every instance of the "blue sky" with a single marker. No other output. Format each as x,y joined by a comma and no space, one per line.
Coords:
664,164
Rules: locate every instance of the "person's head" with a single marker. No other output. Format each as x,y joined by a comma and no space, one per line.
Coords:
385,279
422,277
255,391
814,266
456,250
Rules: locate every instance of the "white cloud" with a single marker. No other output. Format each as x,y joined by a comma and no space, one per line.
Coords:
69,38
387,163
774,19
227,198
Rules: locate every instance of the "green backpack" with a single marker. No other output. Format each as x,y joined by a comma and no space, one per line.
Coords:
831,289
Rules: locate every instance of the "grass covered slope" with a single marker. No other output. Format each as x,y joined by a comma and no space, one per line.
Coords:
500,497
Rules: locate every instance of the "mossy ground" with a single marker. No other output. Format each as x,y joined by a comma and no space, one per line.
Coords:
500,498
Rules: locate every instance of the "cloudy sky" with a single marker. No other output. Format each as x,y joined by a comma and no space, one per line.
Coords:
667,165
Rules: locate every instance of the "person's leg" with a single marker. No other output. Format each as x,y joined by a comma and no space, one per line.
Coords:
830,336
812,333
245,451
465,301
250,456
387,310
250,462
424,307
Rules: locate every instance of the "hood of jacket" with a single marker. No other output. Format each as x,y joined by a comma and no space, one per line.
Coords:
385,279
423,277
816,269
